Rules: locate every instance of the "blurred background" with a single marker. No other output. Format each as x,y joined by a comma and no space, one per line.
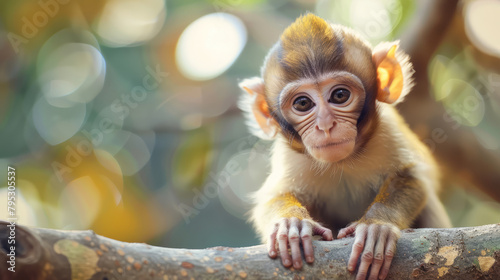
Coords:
120,116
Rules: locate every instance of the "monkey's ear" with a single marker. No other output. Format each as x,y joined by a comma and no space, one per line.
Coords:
394,72
254,103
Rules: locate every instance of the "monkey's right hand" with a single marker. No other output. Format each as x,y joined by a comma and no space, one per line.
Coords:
290,232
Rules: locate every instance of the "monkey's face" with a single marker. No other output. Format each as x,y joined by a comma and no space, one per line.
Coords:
324,112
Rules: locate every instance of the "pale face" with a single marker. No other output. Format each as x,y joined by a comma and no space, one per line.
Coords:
325,112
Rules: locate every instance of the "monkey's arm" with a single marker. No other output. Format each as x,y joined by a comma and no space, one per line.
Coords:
284,223
399,201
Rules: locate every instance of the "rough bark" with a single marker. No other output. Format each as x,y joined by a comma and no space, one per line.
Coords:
457,253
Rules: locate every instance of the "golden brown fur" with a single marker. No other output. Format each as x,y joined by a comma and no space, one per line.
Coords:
339,194
346,163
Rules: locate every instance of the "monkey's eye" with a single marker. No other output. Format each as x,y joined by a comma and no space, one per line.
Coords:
303,104
339,96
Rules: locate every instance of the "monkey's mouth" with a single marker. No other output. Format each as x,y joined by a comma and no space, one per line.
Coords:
333,144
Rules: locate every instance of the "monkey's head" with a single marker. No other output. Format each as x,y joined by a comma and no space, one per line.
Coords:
320,86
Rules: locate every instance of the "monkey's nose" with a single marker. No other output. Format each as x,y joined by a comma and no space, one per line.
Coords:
325,126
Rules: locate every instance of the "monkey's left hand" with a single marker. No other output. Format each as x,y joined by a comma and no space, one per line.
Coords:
376,244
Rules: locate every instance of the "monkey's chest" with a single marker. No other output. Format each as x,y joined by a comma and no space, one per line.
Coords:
339,203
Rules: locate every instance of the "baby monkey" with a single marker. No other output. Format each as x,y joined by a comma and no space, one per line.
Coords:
343,159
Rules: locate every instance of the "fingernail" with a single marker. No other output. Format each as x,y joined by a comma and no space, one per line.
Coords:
297,265
287,262
350,268
310,259
272,253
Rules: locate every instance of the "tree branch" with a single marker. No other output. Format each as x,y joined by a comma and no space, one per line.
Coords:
455,147
458,253
425,31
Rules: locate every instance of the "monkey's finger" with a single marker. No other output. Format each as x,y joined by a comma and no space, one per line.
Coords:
294,241
283,243
357,246
325,233
378,257
390,249
272,241
367,256
346,231
306,237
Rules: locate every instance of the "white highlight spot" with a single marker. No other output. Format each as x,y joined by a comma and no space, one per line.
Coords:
210,45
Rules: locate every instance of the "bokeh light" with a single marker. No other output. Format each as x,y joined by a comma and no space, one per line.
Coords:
81,198
374,19
210,45
442,69
130,22
190,162
128,149
24,207
73,73
464,102
487,139
56,124
242,174
481,21
70,72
